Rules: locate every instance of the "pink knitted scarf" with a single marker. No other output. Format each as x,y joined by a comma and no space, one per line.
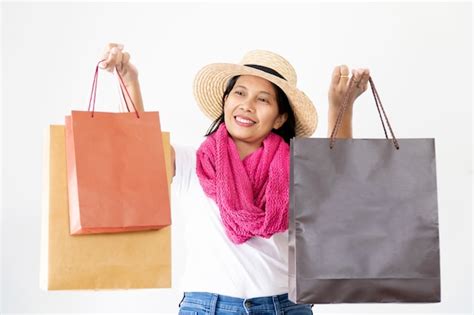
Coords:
252,194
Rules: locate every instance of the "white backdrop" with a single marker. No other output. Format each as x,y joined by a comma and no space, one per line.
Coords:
419,56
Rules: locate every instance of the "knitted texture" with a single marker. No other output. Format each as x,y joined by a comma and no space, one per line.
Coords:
253,193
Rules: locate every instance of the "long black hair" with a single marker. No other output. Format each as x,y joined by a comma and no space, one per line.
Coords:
286,131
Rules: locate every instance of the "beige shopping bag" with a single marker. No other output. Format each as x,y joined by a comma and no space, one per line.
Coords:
97,261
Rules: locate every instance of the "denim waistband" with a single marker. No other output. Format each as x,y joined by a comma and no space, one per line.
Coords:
212,301
207,297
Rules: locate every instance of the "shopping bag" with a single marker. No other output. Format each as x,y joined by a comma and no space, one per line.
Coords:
363,223
116,170
125,260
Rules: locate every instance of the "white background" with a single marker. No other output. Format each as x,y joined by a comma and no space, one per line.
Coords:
419,56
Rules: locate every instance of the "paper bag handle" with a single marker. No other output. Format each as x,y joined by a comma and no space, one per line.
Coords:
94,91
378,103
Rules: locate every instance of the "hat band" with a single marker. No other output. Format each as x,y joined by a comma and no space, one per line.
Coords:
266,69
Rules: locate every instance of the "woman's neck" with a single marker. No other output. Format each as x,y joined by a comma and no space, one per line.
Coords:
246,148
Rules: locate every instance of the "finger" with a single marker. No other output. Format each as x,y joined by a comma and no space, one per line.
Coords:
335,76
343,74
118,58
125,59
106,54
365,79
108,64
113,59
112,45
337,72
357,76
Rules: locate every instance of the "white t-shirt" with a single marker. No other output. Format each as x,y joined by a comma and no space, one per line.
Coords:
258,267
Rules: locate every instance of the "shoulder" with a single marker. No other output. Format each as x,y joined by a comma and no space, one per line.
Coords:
182,149
183,156
184,164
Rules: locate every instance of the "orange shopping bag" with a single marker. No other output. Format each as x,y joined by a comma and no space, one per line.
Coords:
116,170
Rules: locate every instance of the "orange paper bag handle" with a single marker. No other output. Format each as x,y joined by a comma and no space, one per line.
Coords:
94,91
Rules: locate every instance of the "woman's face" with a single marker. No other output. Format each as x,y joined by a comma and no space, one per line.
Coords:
252,98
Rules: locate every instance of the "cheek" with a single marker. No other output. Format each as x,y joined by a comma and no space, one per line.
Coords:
227,110
227,113
269,115
227,103
229,106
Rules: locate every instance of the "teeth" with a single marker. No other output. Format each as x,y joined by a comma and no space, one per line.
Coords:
245,121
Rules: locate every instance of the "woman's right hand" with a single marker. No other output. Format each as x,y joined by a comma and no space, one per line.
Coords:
116,57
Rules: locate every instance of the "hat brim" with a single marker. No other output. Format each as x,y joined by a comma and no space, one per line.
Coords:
210,82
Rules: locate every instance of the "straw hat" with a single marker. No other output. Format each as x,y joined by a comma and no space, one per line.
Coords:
211,80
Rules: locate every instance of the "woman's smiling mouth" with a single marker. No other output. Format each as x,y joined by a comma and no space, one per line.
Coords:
243,121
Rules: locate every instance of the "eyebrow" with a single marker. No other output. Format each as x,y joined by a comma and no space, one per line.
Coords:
262,91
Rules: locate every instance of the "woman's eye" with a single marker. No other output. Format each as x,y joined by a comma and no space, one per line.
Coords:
263,100
238,92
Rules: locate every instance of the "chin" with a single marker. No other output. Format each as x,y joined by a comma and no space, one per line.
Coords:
242,135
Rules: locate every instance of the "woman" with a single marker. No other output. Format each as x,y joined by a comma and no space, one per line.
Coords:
234,187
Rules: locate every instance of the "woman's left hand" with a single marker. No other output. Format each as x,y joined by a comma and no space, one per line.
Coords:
340,84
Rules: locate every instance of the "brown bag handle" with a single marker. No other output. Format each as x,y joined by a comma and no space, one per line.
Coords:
94,91
378,103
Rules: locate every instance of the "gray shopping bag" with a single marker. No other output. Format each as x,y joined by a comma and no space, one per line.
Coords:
363,222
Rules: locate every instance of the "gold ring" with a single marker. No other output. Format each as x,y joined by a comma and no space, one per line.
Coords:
344,76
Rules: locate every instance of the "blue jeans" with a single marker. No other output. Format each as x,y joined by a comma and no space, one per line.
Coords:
199,303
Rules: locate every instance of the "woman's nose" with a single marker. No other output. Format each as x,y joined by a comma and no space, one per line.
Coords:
247,105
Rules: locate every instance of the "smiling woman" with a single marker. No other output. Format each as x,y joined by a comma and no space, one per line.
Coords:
239,187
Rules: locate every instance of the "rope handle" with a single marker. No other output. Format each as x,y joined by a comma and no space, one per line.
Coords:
94,91
378,104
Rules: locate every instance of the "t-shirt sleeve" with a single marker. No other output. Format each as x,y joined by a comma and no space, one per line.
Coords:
184,163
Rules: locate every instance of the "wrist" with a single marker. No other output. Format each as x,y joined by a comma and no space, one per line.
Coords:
334,109
131,84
